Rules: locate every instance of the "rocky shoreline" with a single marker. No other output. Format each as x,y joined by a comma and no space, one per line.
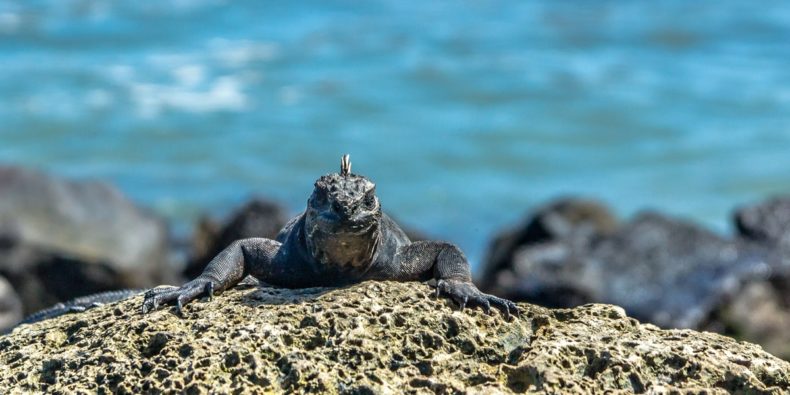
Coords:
662,270
61,239
374,337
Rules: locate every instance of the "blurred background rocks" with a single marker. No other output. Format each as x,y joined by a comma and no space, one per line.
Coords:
661,269
60,239
10,305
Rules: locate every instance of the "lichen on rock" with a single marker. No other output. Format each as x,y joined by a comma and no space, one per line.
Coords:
374,337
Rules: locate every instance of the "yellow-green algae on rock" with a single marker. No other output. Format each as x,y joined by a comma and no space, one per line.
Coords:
374,337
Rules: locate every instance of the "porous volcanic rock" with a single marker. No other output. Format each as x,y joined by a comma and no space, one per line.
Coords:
374,337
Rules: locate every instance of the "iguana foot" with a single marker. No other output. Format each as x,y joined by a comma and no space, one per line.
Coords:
464,293
181,295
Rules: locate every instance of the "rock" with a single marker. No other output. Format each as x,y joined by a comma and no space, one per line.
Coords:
670,272
762,312
767,222
61,239
661,270
10,306
374,337
257,218
568,219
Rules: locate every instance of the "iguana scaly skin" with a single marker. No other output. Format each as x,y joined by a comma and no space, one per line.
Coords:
81,304
343,237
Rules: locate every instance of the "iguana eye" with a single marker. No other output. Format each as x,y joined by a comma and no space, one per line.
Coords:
370,201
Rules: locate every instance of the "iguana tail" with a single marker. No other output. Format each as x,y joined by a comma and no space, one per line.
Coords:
80,304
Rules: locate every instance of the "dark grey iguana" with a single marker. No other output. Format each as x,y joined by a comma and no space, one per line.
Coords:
343,237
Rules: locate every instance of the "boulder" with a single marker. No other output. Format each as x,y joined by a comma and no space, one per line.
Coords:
60,239
762,312
374,337
766,222
662,270
669,271
10,306
570,219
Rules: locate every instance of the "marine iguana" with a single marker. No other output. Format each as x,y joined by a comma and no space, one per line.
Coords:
343,237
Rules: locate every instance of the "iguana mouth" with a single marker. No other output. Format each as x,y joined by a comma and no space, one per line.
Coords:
330,222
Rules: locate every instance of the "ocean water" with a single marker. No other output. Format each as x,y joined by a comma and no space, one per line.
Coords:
465,114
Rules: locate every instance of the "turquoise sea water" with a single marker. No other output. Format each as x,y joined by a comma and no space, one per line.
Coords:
466,114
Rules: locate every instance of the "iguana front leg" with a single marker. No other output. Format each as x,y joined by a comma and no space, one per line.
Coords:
446,263
252,256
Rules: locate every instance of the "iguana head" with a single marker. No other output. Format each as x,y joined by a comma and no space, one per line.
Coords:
342,218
